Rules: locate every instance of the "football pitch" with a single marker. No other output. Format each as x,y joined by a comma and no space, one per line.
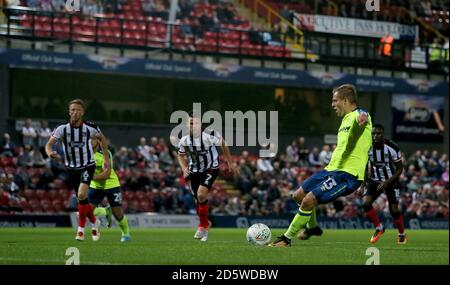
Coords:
224,247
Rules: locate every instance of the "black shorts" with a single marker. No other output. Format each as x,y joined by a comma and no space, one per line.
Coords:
113,195
206,179
82,175
392,193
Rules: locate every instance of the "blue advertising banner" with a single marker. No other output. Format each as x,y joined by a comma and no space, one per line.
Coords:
34,221
418,118
326,222
215,71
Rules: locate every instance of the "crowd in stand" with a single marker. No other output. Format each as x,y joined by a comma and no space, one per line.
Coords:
152,180
433,12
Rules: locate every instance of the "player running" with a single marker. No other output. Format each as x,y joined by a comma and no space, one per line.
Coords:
76,138
345,172
105,183
385,165
202,168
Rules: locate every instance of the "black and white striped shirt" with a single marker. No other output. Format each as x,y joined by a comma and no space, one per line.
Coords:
202,153
382,160
76,142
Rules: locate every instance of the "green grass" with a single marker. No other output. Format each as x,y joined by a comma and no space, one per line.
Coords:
225,247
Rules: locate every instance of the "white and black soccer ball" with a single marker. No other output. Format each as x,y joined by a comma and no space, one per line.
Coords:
259,234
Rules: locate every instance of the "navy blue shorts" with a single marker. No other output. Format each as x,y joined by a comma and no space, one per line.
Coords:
113,195
328,185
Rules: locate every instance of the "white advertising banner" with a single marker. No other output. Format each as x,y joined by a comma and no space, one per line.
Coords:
354,27
151,220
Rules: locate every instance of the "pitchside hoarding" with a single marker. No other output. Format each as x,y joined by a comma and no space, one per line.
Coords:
418,118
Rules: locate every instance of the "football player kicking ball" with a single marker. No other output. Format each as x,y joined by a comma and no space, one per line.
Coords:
105,183
345,172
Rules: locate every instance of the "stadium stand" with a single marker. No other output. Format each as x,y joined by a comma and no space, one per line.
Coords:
153,182
199,26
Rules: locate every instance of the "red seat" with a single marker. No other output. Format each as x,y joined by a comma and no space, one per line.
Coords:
140,195
54,195
29,194
145,206
130,195
65,194
24,204
48,208
59,208
42,194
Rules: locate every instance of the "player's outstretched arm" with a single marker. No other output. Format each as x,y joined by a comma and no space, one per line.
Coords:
49,148
227,154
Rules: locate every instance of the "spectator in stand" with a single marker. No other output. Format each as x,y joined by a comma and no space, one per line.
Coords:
44,134
121,160
7,147
303,152
165,159
313,158
25,158
91,7
143,149
184,9
153,159
292,152
28,134
325,155
37,158
46,5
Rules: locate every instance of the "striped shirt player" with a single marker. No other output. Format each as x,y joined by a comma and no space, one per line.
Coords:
382,160
385,167
76,142
202,152
75,137
199,160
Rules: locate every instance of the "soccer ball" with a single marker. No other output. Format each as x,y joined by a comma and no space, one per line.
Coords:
259,234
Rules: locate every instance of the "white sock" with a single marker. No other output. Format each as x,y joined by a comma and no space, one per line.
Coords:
380,227
80,229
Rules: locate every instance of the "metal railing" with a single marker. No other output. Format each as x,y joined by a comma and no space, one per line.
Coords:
144,32
147,33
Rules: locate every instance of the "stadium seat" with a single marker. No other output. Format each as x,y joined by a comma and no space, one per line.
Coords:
29,194
130,195
144,206
54,195
140,195
42,194
65,194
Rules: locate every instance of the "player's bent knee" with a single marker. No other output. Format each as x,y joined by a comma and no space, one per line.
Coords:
298,195
309,202
82,196
202,194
